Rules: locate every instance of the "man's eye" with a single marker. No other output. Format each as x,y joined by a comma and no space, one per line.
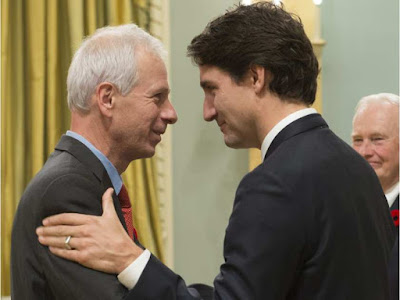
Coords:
210,88
158,97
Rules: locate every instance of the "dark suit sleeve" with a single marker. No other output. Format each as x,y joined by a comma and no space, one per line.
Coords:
263,248
159,282
66,279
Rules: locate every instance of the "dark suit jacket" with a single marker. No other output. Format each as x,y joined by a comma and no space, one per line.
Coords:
72,180
394,261
311,222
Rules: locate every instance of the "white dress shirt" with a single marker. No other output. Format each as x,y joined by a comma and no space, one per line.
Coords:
392,194
130,276
282,124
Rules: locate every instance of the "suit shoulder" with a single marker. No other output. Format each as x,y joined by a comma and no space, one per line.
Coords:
63,184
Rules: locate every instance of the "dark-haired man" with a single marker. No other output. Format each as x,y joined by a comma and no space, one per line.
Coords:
305,225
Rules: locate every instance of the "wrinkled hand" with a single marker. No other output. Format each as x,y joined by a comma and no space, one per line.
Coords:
100,243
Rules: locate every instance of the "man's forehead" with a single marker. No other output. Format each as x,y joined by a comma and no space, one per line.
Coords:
384,107
212,74
373,121
384,112
206,71
160,86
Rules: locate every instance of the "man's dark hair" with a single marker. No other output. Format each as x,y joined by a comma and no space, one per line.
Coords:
266,35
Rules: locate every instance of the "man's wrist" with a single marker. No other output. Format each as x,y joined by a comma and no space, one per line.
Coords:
129,256
131,274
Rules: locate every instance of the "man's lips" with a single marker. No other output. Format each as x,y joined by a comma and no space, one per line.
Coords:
157,135
159,132
375,163
221,125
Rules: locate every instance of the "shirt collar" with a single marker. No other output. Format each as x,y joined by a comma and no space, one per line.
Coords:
282,124
391,195
112,172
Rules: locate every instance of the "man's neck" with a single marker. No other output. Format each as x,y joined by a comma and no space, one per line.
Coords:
281,125
96,133
272,114
392,193
388,186
392,188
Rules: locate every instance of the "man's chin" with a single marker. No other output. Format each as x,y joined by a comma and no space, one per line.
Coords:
150,152
234,143
145,153
376,166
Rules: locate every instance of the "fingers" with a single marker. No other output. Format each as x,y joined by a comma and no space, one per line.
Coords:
67,219
59,230
86,259
55,235
108,204
58,242
64,253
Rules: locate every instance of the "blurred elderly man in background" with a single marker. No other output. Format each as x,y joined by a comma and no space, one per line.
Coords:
376,137
118,94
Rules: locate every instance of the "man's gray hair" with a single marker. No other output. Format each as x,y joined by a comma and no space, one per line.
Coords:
377,98
109,55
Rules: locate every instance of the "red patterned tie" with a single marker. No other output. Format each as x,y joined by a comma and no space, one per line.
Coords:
127,211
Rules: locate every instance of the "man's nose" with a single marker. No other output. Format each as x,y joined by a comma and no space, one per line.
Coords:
169,114
209,111
366,149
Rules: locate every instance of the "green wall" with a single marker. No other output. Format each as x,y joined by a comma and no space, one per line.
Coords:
205,172
361,56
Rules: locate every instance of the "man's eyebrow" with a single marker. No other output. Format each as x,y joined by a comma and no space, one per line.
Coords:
205,83
374,134
162,90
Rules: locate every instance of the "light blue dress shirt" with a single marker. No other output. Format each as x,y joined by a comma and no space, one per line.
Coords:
116,179
130,276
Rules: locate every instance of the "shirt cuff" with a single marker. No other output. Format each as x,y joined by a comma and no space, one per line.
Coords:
130,276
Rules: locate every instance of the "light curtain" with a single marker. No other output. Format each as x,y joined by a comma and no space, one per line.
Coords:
38,39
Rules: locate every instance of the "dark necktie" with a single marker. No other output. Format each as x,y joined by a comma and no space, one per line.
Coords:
127,211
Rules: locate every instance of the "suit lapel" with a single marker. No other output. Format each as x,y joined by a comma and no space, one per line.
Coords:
301,125
87,158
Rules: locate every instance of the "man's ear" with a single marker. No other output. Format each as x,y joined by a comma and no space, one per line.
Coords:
105,93
258,75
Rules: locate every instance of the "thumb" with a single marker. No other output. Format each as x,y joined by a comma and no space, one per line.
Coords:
108,203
